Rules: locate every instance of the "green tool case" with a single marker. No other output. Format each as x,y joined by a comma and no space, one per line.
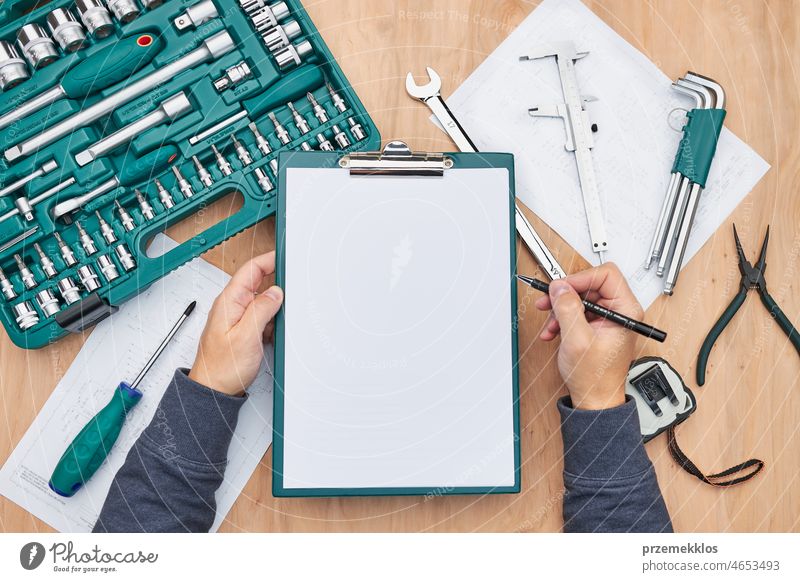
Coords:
119,118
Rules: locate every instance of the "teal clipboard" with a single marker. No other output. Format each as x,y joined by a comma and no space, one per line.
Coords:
395,160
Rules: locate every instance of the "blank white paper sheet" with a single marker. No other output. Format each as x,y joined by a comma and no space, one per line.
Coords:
398,369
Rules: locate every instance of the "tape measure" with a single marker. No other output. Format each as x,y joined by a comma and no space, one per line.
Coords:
663,401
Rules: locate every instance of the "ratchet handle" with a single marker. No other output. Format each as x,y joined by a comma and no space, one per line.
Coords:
708,343
92,445
111,65
135,170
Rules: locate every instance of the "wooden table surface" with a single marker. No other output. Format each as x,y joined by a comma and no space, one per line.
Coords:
751,404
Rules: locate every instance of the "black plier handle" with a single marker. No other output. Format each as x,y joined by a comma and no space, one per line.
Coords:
724,319
779,316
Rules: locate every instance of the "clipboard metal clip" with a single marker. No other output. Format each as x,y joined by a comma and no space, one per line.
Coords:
396,159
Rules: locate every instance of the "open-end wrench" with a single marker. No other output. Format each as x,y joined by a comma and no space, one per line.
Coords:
431,96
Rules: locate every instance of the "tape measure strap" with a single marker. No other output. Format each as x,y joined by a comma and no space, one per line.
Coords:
699,144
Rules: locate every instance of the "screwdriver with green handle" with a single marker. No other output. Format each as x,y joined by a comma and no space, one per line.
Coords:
93,444
105,68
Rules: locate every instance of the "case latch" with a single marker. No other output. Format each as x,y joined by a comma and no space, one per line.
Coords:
85,313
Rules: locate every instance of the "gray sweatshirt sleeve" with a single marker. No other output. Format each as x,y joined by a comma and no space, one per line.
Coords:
610,484
168,480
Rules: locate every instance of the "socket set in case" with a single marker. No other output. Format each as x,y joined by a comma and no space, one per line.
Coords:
119,118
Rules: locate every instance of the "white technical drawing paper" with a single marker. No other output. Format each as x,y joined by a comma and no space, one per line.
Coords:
116,350
398,333
634,145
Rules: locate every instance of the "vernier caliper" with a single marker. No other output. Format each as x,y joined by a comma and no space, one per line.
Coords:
431,96
579,134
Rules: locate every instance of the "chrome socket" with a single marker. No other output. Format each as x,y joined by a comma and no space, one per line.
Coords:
47,302
25,315
125,258
202,174
281,35
108,268
151,4
324,144
25,273
263,180
89,278
280,131
36,45
356,129
7,286
238,73
222,163
86,240
299,121
293,54
306,147
66,252
273,165
144,206
124,10
250,7
337,100
340,137
261,142
66,30
124,217
241,152
69,290
266,17
13,69
319,110
164,195
183,184
46,264
105,229
95,17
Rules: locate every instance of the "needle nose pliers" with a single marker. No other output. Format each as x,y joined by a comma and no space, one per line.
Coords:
752,278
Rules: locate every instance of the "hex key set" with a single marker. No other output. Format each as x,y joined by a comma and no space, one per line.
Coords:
689,173
119,118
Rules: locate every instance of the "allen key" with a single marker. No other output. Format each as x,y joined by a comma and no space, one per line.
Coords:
683,193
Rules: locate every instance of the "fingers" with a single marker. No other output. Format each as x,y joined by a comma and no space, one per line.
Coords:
610,285
551,329
569,312
253,272
543,302
238,294
261,311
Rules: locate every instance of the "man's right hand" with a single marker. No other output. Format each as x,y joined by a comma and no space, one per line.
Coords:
595,354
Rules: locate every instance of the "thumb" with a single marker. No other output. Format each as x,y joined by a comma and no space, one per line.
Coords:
569,311
263,308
